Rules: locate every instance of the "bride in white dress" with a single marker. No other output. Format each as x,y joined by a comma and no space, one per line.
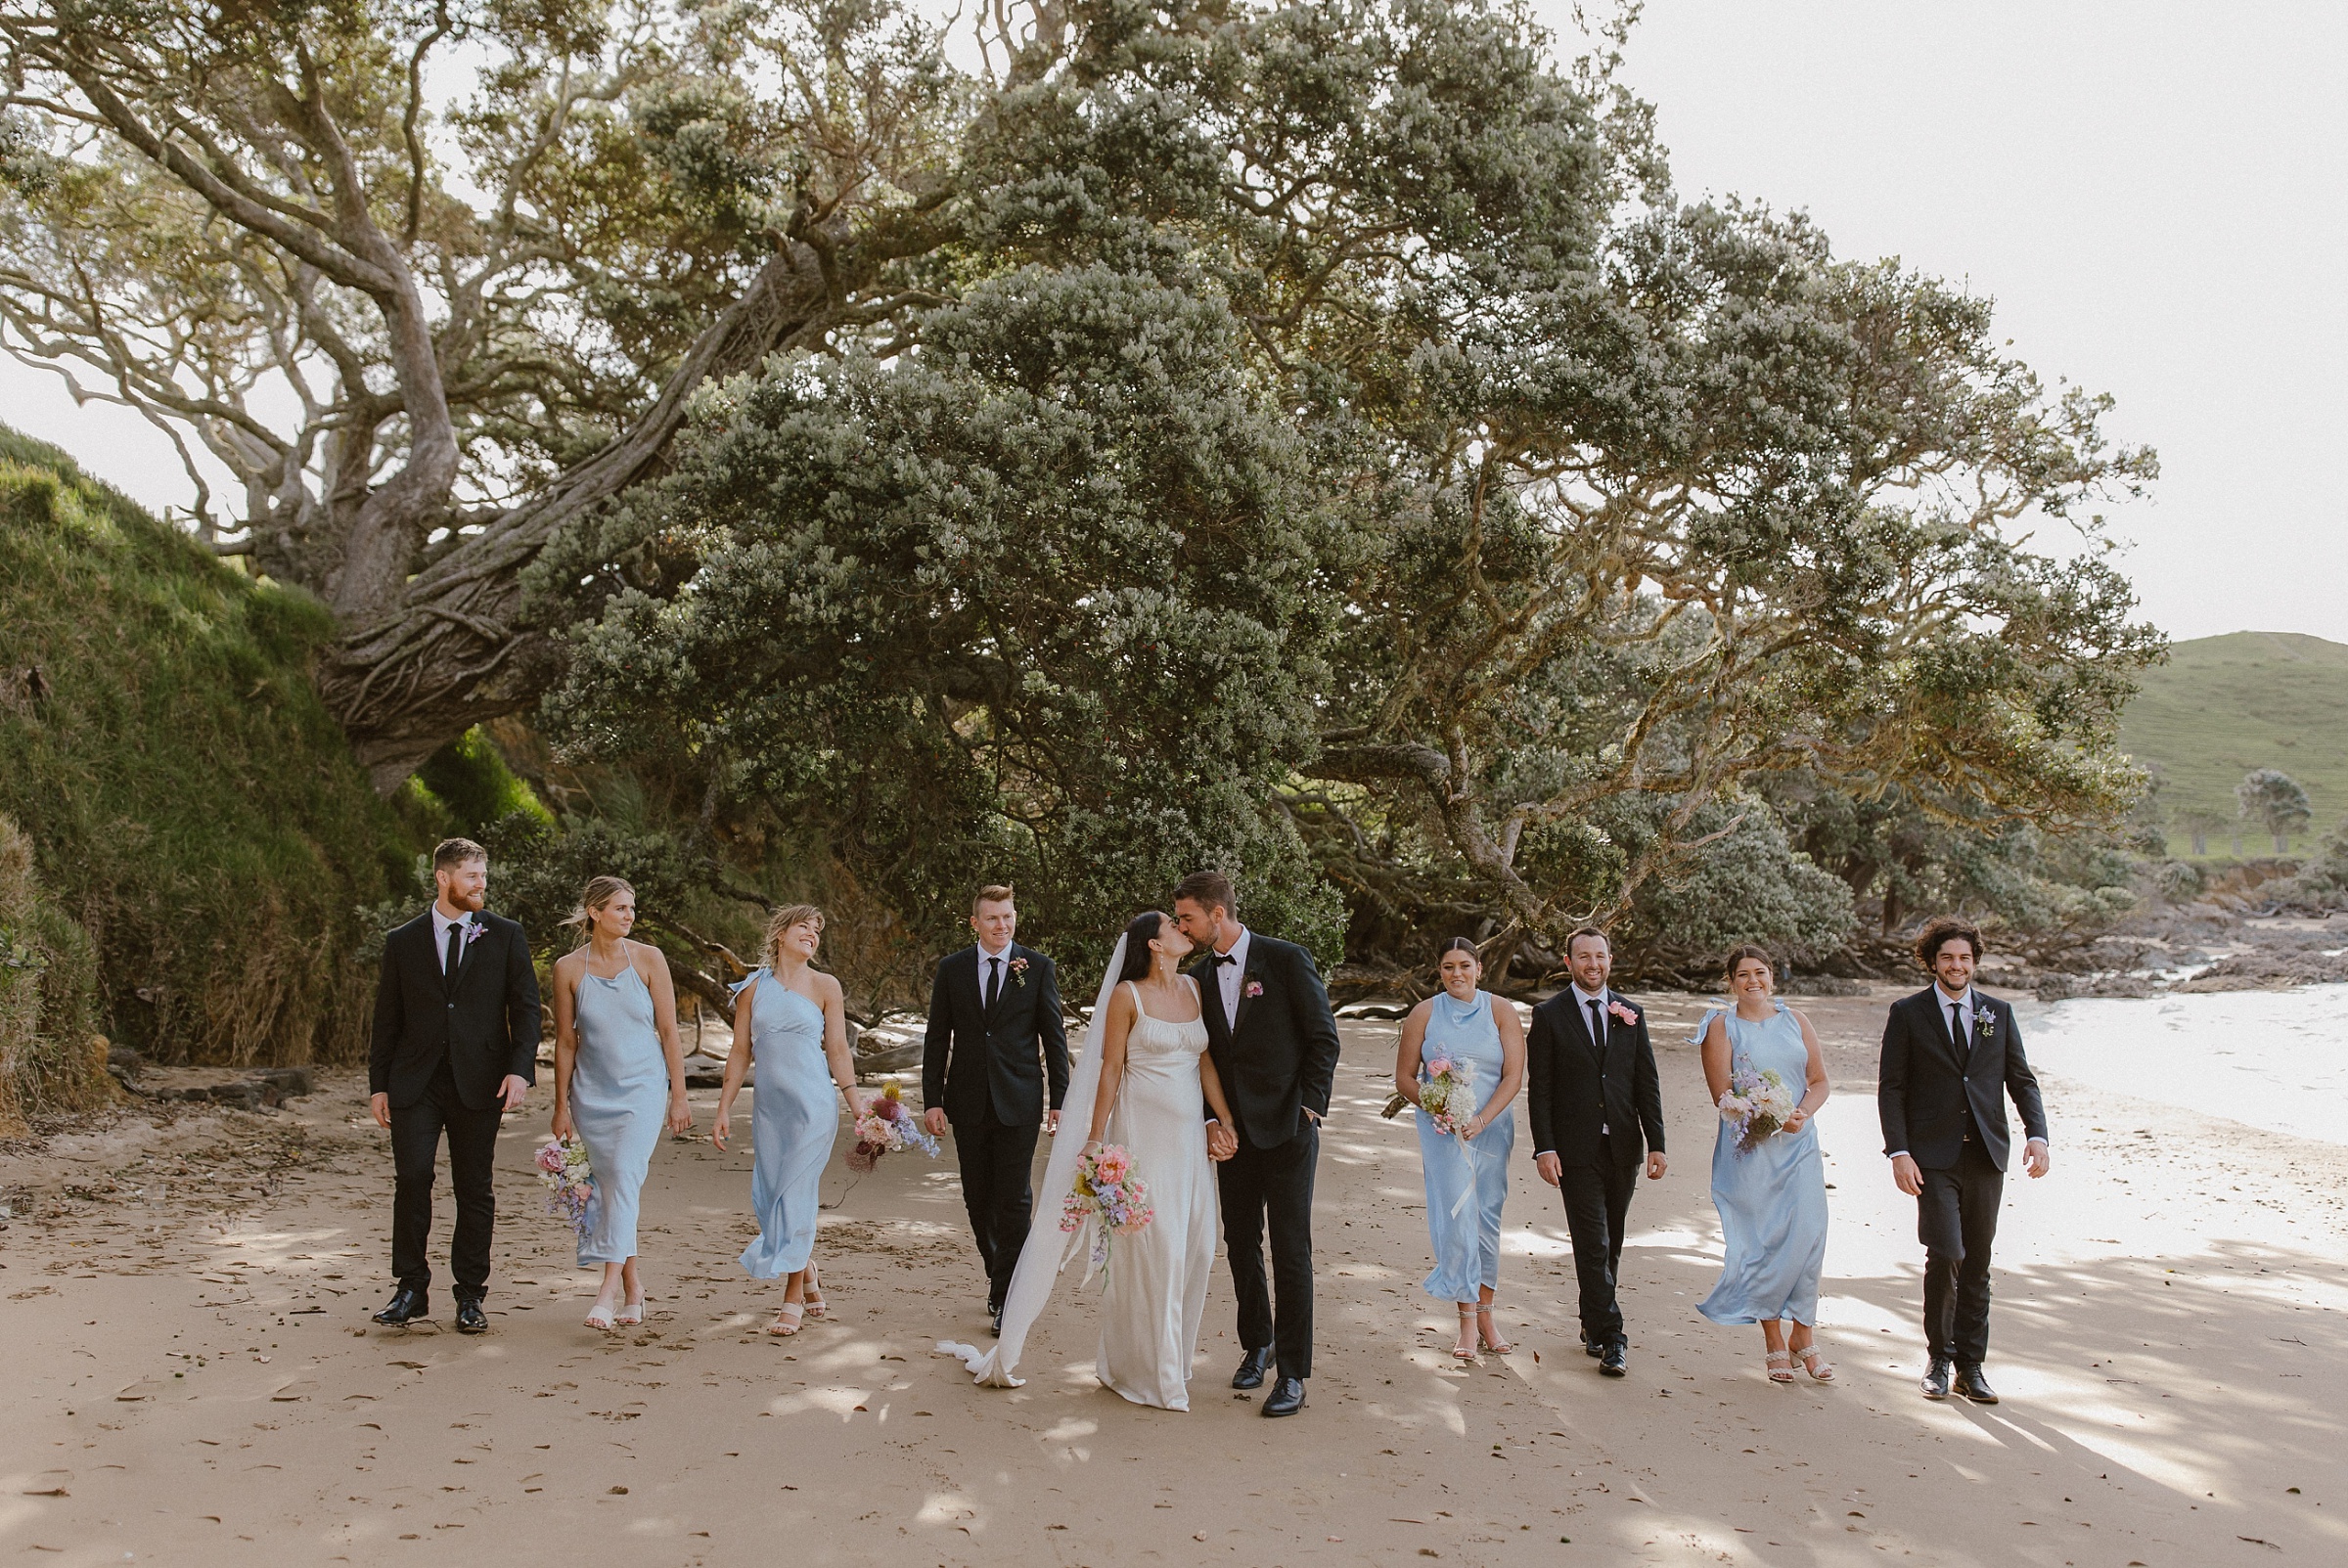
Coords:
1152,1088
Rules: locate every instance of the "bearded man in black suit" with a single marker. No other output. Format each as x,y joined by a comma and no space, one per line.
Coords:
1951,1056
1274,1042
994,1045
455,1047
1596,1102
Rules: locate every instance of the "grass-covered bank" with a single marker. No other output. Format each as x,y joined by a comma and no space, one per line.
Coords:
189,803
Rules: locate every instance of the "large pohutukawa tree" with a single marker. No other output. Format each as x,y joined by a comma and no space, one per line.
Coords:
1616,503
432,280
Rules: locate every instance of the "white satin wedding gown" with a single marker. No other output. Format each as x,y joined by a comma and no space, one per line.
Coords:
1156,1294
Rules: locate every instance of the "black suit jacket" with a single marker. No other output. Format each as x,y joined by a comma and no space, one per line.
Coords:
1571,1092
972,1054
482,1020
1930,1095
1279,1057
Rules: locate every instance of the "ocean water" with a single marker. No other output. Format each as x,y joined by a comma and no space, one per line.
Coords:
2277,1059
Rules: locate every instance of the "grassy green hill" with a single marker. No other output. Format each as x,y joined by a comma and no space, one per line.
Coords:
2224,706
187,803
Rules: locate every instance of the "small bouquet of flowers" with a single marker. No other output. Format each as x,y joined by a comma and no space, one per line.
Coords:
1108,1196
568,1179
1444,1095
1757,1104
888,1127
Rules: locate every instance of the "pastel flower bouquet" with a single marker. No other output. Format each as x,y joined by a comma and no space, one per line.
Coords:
1444,1096
888,1127
1758,1105
1110,1197
569,1178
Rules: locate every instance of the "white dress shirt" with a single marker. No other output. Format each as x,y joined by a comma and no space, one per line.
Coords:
1230,975
994,967
441,924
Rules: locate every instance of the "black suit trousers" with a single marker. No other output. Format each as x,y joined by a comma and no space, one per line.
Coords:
1272,1189
997,1166
1597,1209
1957,1219
472,1158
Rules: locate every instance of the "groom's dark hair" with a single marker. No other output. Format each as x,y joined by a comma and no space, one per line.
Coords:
1208,890
1939,932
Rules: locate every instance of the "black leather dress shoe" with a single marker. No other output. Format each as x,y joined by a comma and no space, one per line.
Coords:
1252,1367
1936,1380
1973,1386
404,1306
994,1323
1287,1397
470,1320
1592,1348
1613,1358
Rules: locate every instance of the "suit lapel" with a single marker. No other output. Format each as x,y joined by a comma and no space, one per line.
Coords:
1936,1006
977,983
1247,978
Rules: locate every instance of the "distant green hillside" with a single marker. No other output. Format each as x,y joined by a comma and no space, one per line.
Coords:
2224,706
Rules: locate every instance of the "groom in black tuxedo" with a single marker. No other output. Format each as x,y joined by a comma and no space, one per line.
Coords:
455,1047
1275,1046
994,1041
1951,1057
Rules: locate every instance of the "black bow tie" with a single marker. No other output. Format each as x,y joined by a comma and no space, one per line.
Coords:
1227,957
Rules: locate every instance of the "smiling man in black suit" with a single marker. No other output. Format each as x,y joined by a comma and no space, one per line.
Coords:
1951,1056
455,1047
994,1046
1596,1102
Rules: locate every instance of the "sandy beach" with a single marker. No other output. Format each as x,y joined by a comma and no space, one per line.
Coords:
191,1376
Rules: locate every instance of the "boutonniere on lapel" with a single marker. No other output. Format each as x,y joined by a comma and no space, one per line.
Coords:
472,931
1623,1012
1018,971
1985,1023
1252,988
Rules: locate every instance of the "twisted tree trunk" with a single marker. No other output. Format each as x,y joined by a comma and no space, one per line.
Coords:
434,654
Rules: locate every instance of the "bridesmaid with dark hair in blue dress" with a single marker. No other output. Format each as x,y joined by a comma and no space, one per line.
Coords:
789,1017
1466,1173
1772,1197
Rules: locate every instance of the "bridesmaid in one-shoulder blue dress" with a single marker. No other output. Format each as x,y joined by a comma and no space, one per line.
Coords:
1772,1197
794,1114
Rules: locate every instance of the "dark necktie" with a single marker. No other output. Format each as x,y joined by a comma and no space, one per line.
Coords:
1598,1026
994,981
1956,1028
456,948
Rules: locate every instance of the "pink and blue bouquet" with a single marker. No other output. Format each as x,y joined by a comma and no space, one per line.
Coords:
1110,1197
1444,1098
569,1178
888,1127
1758,1105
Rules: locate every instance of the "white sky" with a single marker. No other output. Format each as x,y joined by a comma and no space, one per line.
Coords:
2151,191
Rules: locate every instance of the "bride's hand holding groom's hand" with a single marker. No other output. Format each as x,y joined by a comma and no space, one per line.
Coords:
1221,1142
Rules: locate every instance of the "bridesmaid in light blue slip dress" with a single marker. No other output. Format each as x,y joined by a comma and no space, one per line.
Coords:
619,1074
790,1017
1467,1178
1772,1197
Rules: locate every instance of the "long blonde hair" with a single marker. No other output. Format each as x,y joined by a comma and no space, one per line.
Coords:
593,900
789,916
